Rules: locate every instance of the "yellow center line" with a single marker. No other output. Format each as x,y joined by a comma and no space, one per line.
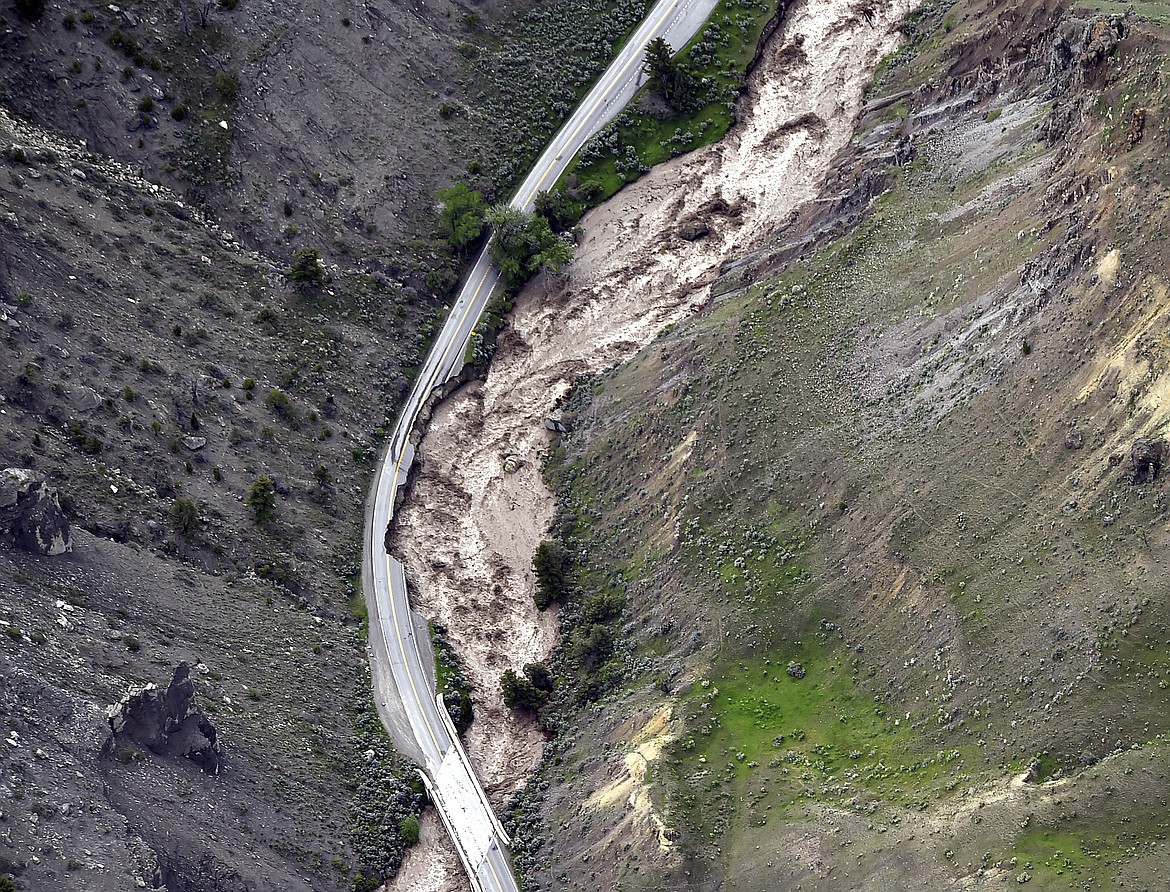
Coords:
601,99
409,674
492,868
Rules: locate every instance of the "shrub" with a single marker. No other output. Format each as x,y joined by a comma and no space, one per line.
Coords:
278,401
408,830
261,499
306,270
179,111
87,443
227,87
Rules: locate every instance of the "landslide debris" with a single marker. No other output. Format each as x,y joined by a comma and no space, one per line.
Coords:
478,506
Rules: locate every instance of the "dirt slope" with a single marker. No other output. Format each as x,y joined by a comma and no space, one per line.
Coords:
885,515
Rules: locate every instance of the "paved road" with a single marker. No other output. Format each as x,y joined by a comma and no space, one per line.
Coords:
400,653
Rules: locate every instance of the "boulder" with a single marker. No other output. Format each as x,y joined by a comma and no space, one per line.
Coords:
167,722
1145,460
30,514
693,229
795,670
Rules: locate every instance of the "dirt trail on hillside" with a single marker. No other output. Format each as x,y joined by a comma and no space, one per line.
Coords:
468,530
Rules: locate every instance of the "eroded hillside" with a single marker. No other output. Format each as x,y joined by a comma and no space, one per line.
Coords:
888,519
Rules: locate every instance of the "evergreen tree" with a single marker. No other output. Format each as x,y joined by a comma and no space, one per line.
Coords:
669,77
261,499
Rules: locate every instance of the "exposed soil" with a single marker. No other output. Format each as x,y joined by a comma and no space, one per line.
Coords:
433,864
470,528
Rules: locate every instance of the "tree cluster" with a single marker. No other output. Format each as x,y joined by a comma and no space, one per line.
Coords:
523,244
527,691
669,77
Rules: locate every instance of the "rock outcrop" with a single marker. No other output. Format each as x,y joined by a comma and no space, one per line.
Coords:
168,723
1145,460
30,514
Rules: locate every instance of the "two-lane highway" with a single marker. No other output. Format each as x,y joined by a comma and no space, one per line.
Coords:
401,656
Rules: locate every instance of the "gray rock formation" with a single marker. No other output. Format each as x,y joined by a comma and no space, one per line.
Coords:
30,515
168,723
1145,460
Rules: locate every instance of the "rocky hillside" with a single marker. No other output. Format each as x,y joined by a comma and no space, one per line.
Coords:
189,430
871,553
219,267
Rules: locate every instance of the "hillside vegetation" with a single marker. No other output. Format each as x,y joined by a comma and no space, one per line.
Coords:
888,520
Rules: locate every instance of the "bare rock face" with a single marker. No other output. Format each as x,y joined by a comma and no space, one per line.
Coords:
1101,36
168,723
30,515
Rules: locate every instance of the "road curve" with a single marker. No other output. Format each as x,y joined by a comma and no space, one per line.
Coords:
400,652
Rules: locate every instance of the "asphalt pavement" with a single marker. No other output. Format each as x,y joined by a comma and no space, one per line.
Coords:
401,656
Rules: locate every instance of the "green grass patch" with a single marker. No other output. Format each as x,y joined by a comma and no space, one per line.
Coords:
638,139
1154,12
357,601
1048,855
761,743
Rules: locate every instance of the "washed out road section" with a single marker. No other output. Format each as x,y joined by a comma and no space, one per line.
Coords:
469,531
401,657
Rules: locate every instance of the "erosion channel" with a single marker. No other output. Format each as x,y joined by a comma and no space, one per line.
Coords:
469,528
